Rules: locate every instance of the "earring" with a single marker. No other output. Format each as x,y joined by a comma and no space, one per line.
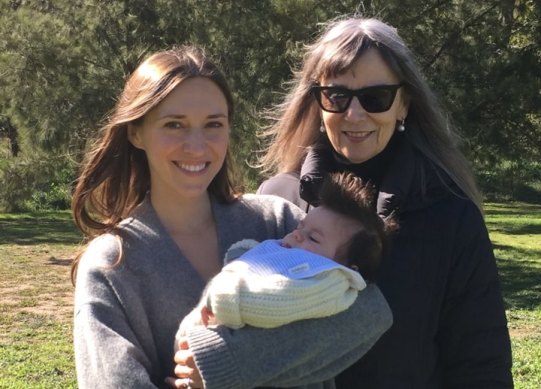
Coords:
401,127
321,128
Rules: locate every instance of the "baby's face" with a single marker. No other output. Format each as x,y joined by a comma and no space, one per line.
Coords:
322,232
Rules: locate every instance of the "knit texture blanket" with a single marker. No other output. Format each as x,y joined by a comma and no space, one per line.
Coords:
270,285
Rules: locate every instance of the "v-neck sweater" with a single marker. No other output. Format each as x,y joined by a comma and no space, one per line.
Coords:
126,315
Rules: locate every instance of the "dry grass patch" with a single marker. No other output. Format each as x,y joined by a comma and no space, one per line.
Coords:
36,294
36,301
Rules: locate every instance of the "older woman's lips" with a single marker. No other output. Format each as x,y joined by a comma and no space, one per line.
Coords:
358,136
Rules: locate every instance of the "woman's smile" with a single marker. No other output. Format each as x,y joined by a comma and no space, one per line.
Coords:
192,168
358,136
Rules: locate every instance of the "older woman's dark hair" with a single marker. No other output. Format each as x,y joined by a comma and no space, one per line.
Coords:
296,121
348,195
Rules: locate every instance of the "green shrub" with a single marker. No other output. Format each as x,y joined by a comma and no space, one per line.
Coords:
511,180
36,182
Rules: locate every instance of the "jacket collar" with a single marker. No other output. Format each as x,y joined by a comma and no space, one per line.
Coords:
407,179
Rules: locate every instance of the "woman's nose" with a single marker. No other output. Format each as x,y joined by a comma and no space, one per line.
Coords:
355,111
194,142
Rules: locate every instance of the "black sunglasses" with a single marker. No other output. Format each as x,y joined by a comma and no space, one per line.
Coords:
374,99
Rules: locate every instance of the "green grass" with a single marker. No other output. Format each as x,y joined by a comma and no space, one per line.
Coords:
36,294
36,300
515,231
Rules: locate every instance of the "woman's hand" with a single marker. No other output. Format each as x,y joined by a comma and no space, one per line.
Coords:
186,371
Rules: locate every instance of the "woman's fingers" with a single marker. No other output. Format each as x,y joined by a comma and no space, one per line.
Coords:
185,369
182,371
182,383
184,357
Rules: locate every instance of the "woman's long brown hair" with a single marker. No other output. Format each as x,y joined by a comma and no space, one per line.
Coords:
115,177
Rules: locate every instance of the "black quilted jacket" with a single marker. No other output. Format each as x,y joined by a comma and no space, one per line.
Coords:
440,279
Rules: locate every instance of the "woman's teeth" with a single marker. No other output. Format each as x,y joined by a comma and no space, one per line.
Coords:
193,168
358,134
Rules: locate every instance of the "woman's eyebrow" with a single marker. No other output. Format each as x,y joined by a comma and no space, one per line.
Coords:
177,116
217,116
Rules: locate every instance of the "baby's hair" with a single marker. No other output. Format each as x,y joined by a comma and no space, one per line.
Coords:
347,195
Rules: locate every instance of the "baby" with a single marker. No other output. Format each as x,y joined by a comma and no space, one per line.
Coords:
313,272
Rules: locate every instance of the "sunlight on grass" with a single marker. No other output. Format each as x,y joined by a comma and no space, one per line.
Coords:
36,294
527,362
515,231
36,300
38,354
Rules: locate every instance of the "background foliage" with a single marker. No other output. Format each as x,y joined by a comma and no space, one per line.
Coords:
63,62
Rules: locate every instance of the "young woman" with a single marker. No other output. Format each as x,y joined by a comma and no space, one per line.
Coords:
157,197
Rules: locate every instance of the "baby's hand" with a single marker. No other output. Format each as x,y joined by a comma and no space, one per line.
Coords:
193,319
207,317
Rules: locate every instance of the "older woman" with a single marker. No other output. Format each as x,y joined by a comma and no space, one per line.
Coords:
360,104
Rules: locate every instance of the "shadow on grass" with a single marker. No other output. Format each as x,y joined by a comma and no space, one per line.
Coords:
59,261
35,231
514,229
514,219
520,278
512,209
519,268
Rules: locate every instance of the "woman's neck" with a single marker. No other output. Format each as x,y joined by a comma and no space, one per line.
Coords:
191,224
374,169
183,216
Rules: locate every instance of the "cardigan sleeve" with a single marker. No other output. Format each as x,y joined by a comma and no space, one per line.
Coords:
284,185
100,323
302,352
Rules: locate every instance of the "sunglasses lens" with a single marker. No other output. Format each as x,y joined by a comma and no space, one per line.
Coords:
335,99
373,99
377,99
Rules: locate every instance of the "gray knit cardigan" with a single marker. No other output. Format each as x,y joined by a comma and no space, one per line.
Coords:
126,316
